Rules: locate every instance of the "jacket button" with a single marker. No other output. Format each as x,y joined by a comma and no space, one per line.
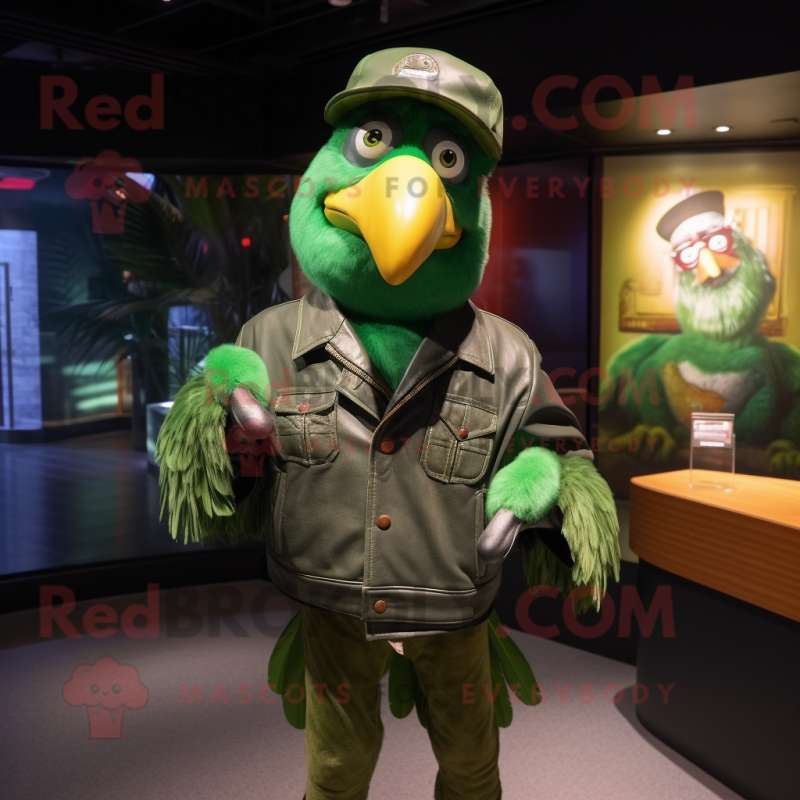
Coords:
384,521
380,606
463,433
387,445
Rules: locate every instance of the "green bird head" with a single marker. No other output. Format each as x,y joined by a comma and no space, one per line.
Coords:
722,299
723,285
392,217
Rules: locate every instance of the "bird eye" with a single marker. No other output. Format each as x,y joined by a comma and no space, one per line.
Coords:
718,242
373,140
447,155
688,255
116,688
94,688
447,159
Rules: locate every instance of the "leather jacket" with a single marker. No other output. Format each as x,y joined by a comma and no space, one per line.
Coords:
376,498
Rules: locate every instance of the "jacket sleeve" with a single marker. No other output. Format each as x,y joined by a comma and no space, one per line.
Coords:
546,421
577,544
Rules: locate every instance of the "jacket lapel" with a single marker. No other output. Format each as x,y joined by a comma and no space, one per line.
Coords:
321,323
458,334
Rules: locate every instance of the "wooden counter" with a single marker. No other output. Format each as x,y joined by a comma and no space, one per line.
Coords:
728,563
744,543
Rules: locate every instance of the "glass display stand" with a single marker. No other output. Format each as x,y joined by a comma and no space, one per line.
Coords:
712,456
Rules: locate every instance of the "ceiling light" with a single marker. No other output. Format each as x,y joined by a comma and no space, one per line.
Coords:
663,131
722,128
340,3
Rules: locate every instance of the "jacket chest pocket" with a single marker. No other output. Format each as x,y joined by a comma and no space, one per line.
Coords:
459,439
306,424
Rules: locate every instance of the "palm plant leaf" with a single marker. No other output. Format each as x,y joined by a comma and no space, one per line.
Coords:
168,256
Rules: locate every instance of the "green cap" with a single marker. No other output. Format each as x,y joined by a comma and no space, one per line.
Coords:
433,77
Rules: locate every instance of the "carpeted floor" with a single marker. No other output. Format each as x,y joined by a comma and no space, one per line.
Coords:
234,744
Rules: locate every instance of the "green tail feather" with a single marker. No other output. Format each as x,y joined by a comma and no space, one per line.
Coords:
287,666
196,473
420,701
402,676
502,702
591,529
508,658
405,691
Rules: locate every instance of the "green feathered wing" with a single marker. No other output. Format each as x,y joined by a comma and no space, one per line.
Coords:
591,529
195,468
509,669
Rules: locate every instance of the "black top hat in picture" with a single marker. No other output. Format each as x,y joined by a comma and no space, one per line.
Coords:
700,203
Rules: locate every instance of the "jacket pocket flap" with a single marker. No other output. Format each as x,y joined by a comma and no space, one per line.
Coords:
304,402
465,418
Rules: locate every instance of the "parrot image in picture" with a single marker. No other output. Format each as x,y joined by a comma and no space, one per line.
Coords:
719,362
414,442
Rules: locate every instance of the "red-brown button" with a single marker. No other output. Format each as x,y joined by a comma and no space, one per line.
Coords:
463,433
380,606
384,521
387,445
303,407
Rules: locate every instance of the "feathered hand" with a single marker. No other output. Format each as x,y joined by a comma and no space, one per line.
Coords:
535,484
196,471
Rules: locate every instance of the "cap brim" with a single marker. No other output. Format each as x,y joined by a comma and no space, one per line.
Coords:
347,100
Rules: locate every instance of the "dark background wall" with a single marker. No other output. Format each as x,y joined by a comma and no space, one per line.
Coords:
248,80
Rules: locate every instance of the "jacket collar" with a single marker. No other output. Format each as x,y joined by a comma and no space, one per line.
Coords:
461,332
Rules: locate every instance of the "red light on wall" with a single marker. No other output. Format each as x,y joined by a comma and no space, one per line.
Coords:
246,242
17,183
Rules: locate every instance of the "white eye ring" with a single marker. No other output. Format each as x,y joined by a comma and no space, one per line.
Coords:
718,242
688,254
378,150
441,170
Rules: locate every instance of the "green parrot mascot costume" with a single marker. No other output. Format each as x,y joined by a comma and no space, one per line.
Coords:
404,419
719,361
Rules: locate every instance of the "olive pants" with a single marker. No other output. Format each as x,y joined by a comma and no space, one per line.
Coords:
344,731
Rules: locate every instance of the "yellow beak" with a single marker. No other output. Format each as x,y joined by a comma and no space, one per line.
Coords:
707,268
402,212
711,265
